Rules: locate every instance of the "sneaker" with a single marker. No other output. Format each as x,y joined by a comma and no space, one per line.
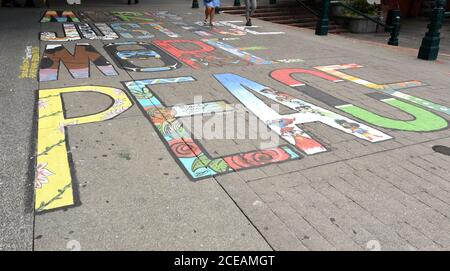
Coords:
249,22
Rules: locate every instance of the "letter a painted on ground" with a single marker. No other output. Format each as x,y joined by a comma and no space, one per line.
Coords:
286,125
53,181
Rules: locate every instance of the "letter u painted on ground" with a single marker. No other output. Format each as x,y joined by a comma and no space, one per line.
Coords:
422,120
53,180
286,125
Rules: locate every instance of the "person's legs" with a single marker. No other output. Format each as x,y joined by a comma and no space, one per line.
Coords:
211,16
206,14
247,10
253,7
250,7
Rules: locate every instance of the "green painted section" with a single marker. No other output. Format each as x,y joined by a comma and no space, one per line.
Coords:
424,121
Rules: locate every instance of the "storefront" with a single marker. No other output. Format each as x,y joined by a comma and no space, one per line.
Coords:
410,8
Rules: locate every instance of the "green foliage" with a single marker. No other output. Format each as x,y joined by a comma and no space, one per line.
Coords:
361,6
200,162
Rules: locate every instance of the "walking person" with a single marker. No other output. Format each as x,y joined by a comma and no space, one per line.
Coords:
210,6
250,7
217,7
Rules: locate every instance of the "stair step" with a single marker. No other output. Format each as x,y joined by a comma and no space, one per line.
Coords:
280,6
286,14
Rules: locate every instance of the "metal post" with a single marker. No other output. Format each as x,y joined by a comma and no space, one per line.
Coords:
322,22
195,4
237,3
430,43
272,2
395,31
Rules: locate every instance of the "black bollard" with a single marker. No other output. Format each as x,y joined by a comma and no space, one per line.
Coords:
429,48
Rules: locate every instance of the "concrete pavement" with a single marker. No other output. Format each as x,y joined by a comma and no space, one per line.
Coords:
134,189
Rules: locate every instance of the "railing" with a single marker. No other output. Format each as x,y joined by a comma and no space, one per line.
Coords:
322,23
300,2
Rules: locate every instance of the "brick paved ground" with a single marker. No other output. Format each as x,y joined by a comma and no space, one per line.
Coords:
134,195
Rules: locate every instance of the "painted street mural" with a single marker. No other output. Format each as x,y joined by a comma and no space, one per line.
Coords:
287,125
70,34
195,161
155,44
53,181
78,63
207,55
59,17
423,120
143,51
30,63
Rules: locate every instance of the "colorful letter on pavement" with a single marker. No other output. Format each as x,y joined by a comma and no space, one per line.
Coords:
130,16
131,31
125,58
286,125
206,55
89,33
70,34
423,120
53,180
195,161
59,17
388,89
77,63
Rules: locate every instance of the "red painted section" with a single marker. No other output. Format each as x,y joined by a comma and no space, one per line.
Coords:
285,76
186,56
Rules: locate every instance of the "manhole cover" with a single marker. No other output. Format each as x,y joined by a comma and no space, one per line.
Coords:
441,149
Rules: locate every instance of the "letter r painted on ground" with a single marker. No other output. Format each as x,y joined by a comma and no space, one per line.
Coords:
286,125
53,179
208,53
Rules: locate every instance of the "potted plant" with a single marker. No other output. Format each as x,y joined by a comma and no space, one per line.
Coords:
357,23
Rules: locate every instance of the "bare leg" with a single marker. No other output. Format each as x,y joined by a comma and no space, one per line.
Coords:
211,16
206,14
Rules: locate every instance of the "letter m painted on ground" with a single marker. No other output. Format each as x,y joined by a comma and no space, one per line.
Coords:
77,63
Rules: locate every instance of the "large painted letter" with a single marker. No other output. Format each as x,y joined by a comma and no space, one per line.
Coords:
89,33
77,63
286,125
388,89
53,183
131,16
423,121
70,34
192,157
125,58
129,31
206,55
59,16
